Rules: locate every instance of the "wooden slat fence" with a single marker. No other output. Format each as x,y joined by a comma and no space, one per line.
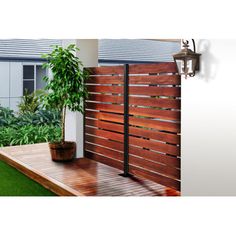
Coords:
154,120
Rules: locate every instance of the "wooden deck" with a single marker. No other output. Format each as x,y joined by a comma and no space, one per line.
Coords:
81,177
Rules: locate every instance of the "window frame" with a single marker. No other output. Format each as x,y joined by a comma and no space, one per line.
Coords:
35,64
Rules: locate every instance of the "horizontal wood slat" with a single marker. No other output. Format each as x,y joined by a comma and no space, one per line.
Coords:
145,79
103,133
155,124
105,98
104,151
135,100
154,156
164,180
105,116
155,113
155,102
105,107
167,67
154,145
158,146
105,70
105,80
105,89
153,79
105,142
108,161
153,134
154,167
105,125
154,91
136,90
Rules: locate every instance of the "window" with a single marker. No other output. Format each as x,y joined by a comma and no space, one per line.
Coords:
40,73
28,78
33,77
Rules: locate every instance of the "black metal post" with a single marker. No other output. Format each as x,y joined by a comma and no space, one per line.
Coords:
84,119
126,121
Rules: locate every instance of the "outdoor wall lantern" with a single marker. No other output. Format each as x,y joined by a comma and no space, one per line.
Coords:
187,60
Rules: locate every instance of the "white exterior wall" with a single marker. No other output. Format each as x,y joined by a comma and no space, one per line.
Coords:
16,84
88,54
10,84
4,84
209,123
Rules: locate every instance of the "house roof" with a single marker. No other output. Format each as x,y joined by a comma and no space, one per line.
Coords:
26,49
136,50
110,50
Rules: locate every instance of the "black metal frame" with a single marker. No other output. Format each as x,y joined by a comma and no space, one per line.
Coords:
126,122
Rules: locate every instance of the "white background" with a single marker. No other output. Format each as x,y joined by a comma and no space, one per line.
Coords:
135,216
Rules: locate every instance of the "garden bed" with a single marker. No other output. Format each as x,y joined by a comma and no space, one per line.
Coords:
29,127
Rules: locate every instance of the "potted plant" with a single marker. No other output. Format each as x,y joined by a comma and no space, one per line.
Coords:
66,90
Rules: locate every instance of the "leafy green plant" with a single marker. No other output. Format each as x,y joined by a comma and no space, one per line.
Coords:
7,117
29,134
29,128
40,117
30,102
67,88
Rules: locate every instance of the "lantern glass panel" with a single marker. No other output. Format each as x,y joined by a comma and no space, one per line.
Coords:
189,66
179,64
194,64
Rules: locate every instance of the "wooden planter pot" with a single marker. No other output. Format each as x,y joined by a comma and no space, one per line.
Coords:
62,151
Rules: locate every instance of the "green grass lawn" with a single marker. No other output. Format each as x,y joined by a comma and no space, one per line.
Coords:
14,183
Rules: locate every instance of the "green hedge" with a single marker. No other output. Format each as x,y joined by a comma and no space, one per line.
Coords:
29,134
29,128
40,117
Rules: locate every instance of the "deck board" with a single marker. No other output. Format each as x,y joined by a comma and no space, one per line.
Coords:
81,177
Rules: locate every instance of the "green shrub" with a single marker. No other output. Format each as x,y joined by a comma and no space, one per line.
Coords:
7,117
29,134
29,128
30,102
40,117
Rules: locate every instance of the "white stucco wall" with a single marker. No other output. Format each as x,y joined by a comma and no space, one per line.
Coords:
88,54
209,122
